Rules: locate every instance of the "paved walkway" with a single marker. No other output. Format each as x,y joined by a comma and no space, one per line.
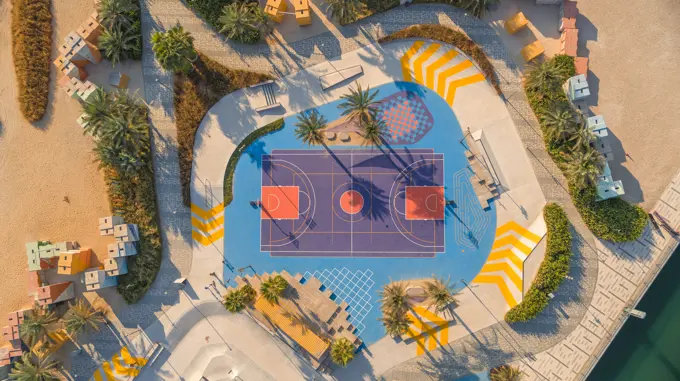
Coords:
497,343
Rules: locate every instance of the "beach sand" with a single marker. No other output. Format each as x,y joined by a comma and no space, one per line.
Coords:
40,164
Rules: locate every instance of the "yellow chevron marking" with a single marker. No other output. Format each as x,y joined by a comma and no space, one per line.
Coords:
512,241
208,226
108,373
406,60
207,240
506,253
97,376
127,357
420,341
505,268
424,312
418,63
122,369
519,229
444,75
441,61
428,335
451,93
207,214
500,282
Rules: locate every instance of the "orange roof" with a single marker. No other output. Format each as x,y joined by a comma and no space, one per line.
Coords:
293,327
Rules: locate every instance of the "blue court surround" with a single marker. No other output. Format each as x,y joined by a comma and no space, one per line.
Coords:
469,229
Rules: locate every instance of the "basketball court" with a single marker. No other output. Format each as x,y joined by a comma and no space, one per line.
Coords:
353,202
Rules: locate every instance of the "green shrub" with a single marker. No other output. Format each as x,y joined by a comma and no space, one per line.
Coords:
209,10
194,94
233,160
614,219
31,48
554,268
122,23
452,37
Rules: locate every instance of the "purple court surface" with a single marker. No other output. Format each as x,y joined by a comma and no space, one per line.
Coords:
349,202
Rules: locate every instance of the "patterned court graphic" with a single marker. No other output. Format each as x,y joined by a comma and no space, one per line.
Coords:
406,116
353,202
471,217
351,287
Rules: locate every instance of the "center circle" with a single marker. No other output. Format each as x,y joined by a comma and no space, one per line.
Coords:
351,202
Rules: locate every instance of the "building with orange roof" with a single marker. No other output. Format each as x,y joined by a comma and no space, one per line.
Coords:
74,261
55,293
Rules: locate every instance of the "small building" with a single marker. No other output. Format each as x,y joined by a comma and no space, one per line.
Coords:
106,224
303,14
122,249
79,51
569,42
597,126
567,15
126,233
576,88
274,9
69,69
71,86
86,90
43,254
115,266
97,279
74,261
10,333
90,30
34,283
55,293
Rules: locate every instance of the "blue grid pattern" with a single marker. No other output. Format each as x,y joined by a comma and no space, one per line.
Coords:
470,222
351,287
406,116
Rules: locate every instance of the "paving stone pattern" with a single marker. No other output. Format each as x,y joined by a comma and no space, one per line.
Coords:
556,345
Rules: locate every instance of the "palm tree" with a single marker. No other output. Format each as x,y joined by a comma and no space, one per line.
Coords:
262,21
42,370
346,11
239,22
373,132
82,317
506,373
396,324
440,293
234,301
249,293
585,166
342,352
543,78
393,298
582,138
559,123
174,49
36,326
359,104
308,127
115,13
477,7
119,43
273,287
96,111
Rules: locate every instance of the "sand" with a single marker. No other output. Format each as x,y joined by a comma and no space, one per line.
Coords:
42,163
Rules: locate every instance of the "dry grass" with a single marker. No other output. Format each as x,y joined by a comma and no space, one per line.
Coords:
453,37
195,94
32,46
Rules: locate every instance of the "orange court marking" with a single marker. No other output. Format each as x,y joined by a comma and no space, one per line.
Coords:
351,202
425,203
280,203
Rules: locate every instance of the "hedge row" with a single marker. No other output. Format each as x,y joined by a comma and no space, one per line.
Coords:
453,37
554,268
236,156
615,219
133,197
194,94
32,46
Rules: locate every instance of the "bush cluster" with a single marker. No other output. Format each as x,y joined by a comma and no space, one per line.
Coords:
615,219
240,149
119,124
194,94
122,35
32,46
554,268
452,37
209,10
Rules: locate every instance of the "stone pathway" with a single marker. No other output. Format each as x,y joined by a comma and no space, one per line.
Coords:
570,314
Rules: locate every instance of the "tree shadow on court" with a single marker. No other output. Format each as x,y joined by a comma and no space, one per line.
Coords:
378,199
450,210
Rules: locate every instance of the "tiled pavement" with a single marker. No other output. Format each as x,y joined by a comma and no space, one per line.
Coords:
557,345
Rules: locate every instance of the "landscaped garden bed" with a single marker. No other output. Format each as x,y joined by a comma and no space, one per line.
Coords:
122,35
554,268
233,160
195,93
569,143
453,37
32,46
